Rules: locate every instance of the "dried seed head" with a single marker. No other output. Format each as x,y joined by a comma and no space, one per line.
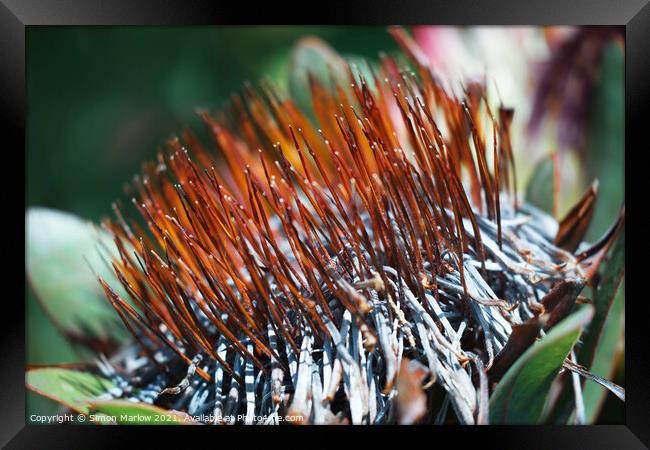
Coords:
294,267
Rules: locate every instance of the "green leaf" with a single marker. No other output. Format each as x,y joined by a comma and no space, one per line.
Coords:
45,343
41,405
129,413
609,354
72,388
521,394
603,336
599,343
313,55
60,247
542,188
605,145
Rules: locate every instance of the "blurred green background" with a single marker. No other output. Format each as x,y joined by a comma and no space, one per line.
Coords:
102,99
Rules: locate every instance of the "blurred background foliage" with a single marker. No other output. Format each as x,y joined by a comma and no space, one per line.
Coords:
101,100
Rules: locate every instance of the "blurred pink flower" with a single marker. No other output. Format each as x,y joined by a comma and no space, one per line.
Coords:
501,58
564,83
500,55
543,73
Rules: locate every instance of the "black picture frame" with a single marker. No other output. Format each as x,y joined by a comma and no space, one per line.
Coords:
634,15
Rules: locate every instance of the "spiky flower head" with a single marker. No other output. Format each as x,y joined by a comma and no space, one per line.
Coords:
342,268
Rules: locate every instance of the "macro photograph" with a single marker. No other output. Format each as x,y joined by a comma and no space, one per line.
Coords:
325,225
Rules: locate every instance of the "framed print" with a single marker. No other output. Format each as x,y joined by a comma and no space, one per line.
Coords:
412,219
